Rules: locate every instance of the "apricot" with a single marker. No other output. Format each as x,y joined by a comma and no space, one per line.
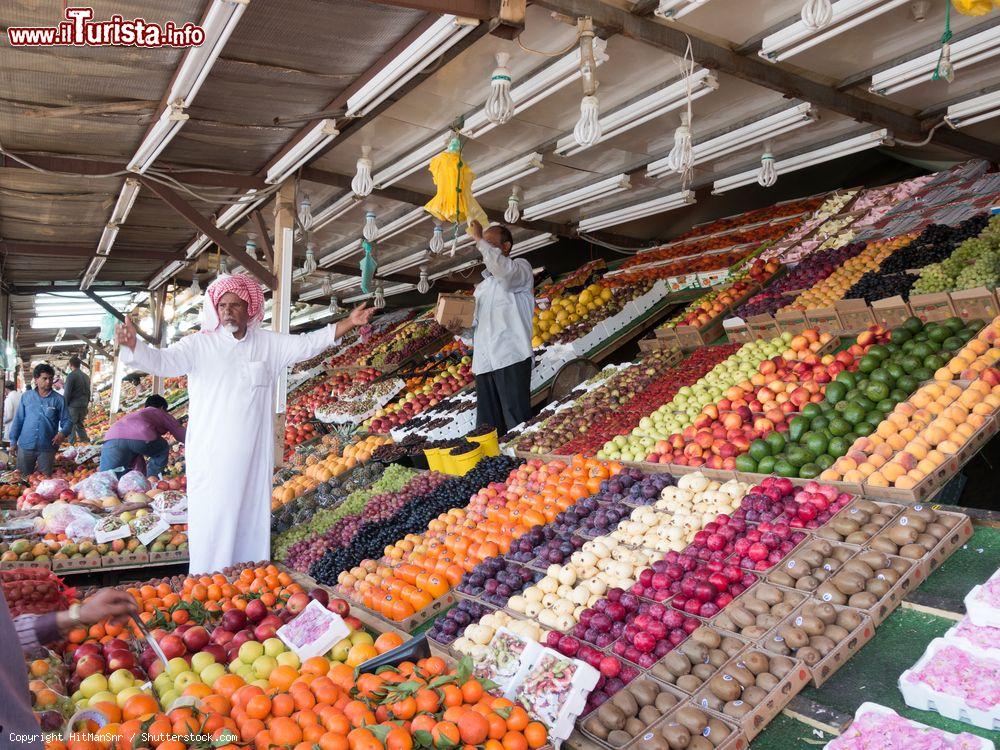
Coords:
877,480
949,447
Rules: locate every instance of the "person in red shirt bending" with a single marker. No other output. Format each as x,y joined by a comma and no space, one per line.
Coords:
141,434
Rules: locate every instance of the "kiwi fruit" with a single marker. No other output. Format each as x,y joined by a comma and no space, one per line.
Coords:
595,727
718,731
731,645
757,606
611,716
862,536
948,521
677,736
722,621
915,521
903,535
794,637
644,692
777,645
807,583
877,587
768,594
873,559
677,663
693,718
844,526
756,662
743,675
927,541
626,701
824,611
756,631
865,506
863,600
835,633
782,578
647,715
811,557
619,738
741,617
810,624
717,657
634,726
689,683
884,544
822,643
700,743
912,551
849,620
780,667
851,582
784,608
889,575
654,741
830,593
936,530
900,565
708,636
703,671
665,701
737,709
860,567
767,681
827,532
808,655
696,652
753,695
711,701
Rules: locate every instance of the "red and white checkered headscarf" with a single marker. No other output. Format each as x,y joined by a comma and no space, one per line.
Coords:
243,286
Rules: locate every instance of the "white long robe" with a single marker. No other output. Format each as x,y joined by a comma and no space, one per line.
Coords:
230,436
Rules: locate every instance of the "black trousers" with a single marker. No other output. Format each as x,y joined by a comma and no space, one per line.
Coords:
503,397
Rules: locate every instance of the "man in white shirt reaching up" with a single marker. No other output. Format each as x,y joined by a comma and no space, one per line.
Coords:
501,357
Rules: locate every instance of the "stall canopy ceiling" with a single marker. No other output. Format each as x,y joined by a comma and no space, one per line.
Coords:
289,63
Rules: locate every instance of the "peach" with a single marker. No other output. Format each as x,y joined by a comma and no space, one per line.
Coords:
905,408
976,420
853,476
966,430
831,475
905,483
891,471
866,468
884,450
918,448
877,461
896,442
905,460
877,480
949,447
887,427
908,434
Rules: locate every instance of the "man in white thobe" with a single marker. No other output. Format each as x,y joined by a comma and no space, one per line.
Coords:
232,366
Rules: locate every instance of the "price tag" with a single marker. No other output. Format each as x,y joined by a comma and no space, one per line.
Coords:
102,536
153,531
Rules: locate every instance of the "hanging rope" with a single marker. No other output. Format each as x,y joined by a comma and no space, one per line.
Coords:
456,145
817,13
944,69
499,105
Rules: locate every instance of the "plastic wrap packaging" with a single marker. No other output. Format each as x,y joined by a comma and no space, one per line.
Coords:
50,488
96,486
133,481
59,515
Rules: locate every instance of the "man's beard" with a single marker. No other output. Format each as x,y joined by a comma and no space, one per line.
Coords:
231,327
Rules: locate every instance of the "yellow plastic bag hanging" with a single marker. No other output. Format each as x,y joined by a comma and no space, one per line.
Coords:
453,201
975,7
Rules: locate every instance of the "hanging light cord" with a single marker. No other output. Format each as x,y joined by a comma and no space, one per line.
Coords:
558,53
925,141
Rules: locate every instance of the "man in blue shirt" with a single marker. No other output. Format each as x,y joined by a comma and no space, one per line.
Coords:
40,425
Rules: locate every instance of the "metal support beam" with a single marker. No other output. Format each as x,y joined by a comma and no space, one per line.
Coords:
479,9
281,299
52,286
206,227
40,249
98,347
768,75
118,314
265,241
73,166
158,302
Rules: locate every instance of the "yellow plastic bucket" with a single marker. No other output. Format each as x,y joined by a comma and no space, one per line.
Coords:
434,459
466,462
488,442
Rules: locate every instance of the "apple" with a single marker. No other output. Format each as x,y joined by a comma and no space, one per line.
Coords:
250,651
273,646
263,666
184,679
201,660
89,666
172,646
93,684
339,607
297,602
195,638
211,673
256,610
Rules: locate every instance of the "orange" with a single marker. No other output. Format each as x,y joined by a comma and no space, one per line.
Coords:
472,692
333,741
452,695
387,642
139,707
423,723
284,731
518,719
283,676
282,704
258,707
536,734
427,700
316,665
473,728
445,733
433,665
398,739
514,741
498,726
404,709
362,739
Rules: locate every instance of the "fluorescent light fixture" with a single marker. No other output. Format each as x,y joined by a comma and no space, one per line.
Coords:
64,342
387,292
441,36
107,238
404,263
974,110
735,140
534,89
523,247
164,275
407,221
638,211
920,69
236,211
197,247
336,209
671,10
126,199
340,253
163,130
68,321
828,153
221,19
506,174
847,14
579,197
650,106
304,149
93,268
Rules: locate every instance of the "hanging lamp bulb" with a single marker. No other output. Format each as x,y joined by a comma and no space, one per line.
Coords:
362,184
370,230
305,212
513,213
309,264
499,106
424,285
328,285
223,266
379,302
681,158
767,175
437,241
195,287
817,13
251,245
588,127
335,307
945,71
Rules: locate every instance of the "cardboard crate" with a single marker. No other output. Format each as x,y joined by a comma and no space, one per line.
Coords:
932,307
894,597
455,310
975,304
689,337
754,721
76,563
176,555
790,320
825,319
655,344
11,564
958,536
763,326
891,311
735,741
855,315
737,331
581,726
125,560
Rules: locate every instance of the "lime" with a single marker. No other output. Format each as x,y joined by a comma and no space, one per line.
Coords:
847,378
835,392
777,442
838,447
784,469
838,428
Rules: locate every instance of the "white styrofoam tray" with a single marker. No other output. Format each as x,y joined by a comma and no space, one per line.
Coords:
979,610
875,708
921,696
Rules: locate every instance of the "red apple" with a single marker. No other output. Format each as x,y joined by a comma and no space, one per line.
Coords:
172,646
195,638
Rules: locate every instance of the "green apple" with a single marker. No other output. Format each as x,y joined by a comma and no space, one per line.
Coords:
184,679
263,666
251,651
341,649
168,698
273,646
262,684
119,680
211,673
201,660
127,693
105,696
288,659
246,672
93,684
176,666
78,696
360,636
163,683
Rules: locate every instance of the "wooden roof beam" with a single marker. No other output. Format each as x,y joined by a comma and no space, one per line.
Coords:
771,76
47,250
